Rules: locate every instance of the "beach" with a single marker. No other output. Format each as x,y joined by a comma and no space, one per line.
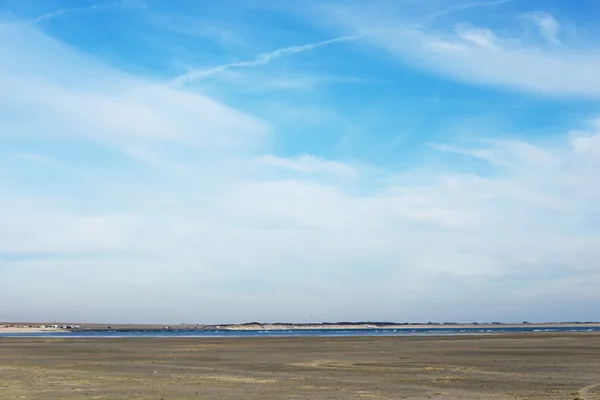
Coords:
28,329
501,366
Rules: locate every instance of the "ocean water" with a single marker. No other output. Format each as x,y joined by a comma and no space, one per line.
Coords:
304,333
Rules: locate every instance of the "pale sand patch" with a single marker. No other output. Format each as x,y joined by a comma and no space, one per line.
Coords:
12,329
239,379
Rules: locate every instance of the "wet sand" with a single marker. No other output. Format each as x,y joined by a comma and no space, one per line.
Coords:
510,366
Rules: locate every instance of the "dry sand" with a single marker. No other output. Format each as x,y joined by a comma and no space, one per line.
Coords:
516,366
27,329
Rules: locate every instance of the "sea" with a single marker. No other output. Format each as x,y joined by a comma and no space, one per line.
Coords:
438,331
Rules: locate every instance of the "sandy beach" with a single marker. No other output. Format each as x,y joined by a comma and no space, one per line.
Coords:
511,366
27,329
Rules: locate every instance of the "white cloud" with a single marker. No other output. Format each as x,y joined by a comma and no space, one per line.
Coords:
284,235
480,37
467,6
479,55
87,100
228,231
123,4
308,164
547,25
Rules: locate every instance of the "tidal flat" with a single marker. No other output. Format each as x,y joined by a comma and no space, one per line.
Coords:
506,366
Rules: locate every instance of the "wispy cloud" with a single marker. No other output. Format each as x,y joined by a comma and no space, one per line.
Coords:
480,37
307,164
126,4
261,59
138,109
483,56
547,25
465,6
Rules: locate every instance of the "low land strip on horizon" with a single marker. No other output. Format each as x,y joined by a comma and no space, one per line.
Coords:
25,327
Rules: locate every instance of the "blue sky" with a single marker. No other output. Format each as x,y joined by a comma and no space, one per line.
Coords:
211,162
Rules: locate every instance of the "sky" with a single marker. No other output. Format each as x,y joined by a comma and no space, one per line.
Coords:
183,161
